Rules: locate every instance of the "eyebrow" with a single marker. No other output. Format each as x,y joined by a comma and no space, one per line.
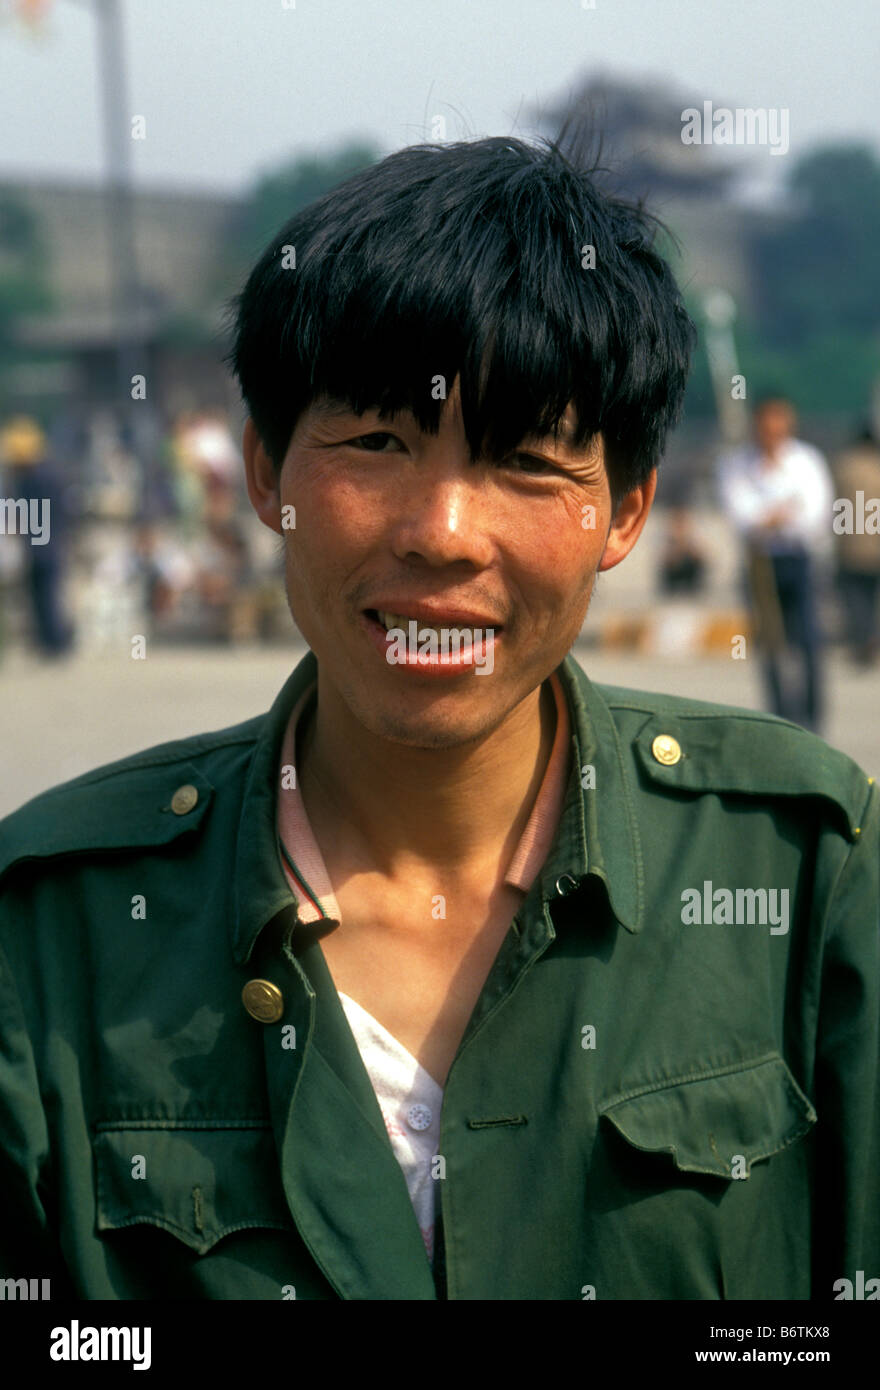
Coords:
337,409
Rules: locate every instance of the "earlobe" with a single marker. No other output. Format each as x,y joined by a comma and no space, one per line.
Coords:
262,480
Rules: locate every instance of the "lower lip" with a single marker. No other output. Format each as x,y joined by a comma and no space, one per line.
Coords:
443,664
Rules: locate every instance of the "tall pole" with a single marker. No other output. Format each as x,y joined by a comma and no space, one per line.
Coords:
125,297
125,300
719,309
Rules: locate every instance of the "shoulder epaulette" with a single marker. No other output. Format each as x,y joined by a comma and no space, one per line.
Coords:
694,746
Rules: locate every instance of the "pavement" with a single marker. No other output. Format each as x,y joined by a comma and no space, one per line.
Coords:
61,718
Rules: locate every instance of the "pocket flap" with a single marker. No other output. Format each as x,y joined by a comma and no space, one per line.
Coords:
745,1113
200,1182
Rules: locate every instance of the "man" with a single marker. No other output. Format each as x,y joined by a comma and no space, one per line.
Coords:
426,984
777,491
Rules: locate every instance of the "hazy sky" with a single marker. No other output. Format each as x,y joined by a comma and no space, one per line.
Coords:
228,86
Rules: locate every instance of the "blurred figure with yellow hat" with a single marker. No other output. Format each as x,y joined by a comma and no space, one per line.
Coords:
22,442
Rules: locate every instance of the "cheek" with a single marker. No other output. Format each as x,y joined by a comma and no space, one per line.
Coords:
563,547
335,517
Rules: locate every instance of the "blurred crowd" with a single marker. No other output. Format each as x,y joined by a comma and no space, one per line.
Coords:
195,565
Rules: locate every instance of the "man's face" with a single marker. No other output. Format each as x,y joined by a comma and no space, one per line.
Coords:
392,520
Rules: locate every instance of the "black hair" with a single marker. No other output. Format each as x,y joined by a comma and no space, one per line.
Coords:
470,259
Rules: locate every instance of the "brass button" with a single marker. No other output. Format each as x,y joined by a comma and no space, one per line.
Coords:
184,799
666,749
263,1001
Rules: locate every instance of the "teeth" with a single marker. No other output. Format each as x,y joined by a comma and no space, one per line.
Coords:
390,620
398,620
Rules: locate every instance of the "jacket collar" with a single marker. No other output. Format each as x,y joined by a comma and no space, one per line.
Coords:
597,832
260,888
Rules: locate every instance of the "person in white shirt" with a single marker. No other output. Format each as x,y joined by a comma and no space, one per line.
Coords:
778,493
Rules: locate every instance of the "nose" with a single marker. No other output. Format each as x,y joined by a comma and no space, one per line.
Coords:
444,517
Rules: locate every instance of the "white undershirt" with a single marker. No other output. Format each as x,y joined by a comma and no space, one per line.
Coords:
410,1102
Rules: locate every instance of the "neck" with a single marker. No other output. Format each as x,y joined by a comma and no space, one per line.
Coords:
397,809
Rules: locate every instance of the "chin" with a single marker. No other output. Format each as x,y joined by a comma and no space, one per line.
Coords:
424,735
428,728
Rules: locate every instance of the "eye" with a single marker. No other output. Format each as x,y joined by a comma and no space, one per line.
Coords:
530,463
373,443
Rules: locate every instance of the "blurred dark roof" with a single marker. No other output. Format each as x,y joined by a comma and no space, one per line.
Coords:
640,127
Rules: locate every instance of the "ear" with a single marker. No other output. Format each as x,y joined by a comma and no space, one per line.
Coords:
262,482
626,526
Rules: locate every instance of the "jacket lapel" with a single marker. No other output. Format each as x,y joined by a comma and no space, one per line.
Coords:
344,1186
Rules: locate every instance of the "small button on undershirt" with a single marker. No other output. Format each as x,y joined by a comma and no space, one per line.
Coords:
419,1116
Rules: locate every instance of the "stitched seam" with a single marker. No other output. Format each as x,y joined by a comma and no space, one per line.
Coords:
175,1229
669,1082
796,1098
632,822
728,786
242,1122
784,1143
724,712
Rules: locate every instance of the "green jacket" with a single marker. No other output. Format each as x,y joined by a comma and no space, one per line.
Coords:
645,1105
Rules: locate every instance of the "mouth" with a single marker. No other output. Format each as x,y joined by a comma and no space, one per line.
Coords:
442,644
432,622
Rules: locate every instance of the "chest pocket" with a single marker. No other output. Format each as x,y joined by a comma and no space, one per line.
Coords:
718,1123
201,1181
